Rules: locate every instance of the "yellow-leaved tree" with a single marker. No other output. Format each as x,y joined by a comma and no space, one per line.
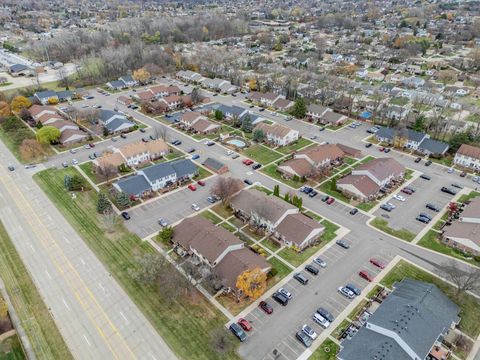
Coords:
4,108
141,75
3,308
252,283
20,102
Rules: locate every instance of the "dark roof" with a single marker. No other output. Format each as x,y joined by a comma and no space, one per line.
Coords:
413,308
18,67
47,94
65,94
184,167
105,115
389,133
117,123
181,168
127,78
434,146
133,185
117,83
213,164
234,110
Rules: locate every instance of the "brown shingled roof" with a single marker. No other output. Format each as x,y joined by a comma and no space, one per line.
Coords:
382,168
297,227
274,129
469,150
362,183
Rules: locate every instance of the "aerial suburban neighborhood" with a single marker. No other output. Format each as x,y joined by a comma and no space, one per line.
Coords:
266,180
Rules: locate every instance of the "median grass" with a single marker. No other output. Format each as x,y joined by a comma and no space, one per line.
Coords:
467,197
431,241
185,325
469,314
401,234
271,170
328,350
46,340
261,154
299,144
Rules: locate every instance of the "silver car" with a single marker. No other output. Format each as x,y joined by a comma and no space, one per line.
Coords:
320,262
286,293
319,319
346,292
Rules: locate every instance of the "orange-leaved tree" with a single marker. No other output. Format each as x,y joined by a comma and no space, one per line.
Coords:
252,282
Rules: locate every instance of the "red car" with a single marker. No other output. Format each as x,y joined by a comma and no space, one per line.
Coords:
201,182
192,187
381,148
377,263
366,275
244,324
266,307
247,162
407,191
330,200
92,145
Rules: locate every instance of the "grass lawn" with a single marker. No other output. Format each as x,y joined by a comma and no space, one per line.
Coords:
365,160
469,314
282,270
222,210
313,215
202,173
327,351
326,187
11,349
330,230
408,174
366,206
194,320
228,227
174,154
261,154
270,245
301,143
46,340
88,170
383,225
340,328
446,160
431,241
263,189
349,160
374,292
298,258
467,197
356,311
211,216
271,170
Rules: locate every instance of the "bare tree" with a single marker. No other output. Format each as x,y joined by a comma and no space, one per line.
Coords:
463,280
225,188
109,219
221,340
161,132
106,171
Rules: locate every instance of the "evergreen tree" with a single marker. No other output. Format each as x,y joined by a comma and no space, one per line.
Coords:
276,190
247,125
77,182
258,135
67,182
299,108
103,204
287,197
122,200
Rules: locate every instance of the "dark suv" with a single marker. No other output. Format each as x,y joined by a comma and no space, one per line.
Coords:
312,269
280,298
448,190
301,278
326,314
432,207
238,332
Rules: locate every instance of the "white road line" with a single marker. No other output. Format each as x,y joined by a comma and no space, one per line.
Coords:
48,274
101,287
152,356
31,247
66,305
124,317
86,340
66,240
82,261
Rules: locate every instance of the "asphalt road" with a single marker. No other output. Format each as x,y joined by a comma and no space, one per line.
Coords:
95,316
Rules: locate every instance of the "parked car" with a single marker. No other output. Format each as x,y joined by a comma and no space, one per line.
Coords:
399,197
65,164
303,338
367,145
423,219
256,166
123,136
313,194
280,298
425,216
428,163
450,170
320,262
325,198
346,292
191,150
326,314
457,186
125,215
285,293
364,274
211,199
201,182
448,190
309,331
381,149
195,207
353,211
301,278
192,187
142,130
418,159
266,307
330,200
162,222
407,191
244,324
145,139
386,207
343,244
354,288
248,181
320,320
73,151
30,166
432,207
247,162
425,177
74,161
238,331
377,263
91,157
306,189
463,174
321,128
312,269
387,150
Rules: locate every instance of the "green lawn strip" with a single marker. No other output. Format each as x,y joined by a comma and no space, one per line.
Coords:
299,144
281,269
184,325
270,245
401,234
469,314
340,328
87,168
271,170
367,206
228,227
374,292
328,350
224,211
211,216
438,225
348,160
202,173
46,340
261,154
408,174
326,187
431,241
11,349
357,310
467,197
447,160
330,230
340,169
263,189
313,215
174,154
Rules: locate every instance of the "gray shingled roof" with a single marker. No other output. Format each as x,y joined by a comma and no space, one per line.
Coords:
116,123
434,146
133,185
388,133
213,164
47,94
184,167
413,308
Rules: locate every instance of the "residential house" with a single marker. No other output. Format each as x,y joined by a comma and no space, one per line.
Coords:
195,121
413,82
189,76
298,230
172,101
218,248
306,162
464,233
315,112
230,111
409,324
157,177
277,134
365,181
128,80
214,84
38,110
215,165
332,118
19,70
468,156
270,99
396,112
124,100
228,88
71,136
43,97
63,125
414,69
116,85
114,121
161,91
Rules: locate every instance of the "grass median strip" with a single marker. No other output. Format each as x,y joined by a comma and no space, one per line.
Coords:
46,340
401,234
185,325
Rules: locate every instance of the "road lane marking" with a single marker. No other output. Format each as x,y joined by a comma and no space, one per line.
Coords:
124,317
48,274
86,340
65,303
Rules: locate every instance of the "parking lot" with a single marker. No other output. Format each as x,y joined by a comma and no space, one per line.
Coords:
273,336
427,191
342,208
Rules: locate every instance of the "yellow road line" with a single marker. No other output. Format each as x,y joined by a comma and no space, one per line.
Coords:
45,244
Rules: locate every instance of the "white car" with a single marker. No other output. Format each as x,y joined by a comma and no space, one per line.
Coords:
320,262
74,161
286,293
346,292
399,197
450,170
319,319
475,179
73,151
229,152
309,331
195,207
391,205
